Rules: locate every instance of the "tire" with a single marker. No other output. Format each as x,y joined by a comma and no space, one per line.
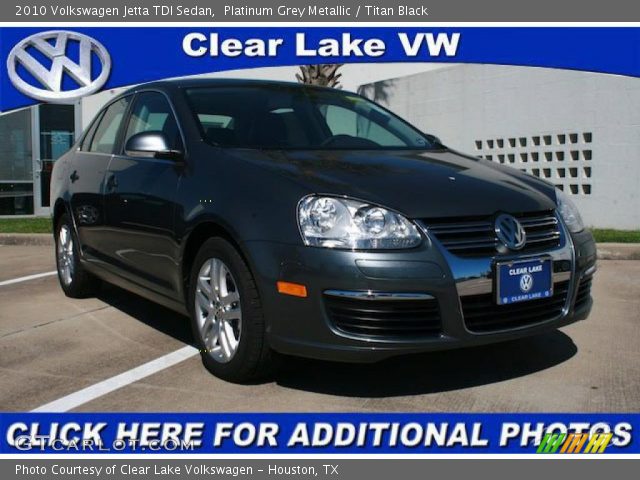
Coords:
75,281
227,320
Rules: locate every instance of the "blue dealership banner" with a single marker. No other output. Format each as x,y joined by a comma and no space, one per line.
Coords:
296,433
141,54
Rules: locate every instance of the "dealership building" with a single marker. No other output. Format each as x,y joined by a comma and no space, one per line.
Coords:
31,140
578,130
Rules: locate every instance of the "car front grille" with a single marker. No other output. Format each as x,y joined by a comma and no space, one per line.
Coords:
384,318
472,237
482,314
584,292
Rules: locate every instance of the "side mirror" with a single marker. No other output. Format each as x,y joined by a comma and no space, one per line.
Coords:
433,139
151,145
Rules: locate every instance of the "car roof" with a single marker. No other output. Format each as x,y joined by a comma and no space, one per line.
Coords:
218,82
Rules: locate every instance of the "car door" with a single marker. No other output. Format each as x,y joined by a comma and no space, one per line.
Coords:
87,173
140,196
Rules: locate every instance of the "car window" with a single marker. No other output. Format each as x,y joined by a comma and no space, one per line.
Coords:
104,139
86,140
152,113
344,121
296,135
284,117
216,121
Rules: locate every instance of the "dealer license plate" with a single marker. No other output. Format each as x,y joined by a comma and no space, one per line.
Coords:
523,280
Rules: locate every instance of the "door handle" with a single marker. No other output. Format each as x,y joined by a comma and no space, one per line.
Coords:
74,176
112,183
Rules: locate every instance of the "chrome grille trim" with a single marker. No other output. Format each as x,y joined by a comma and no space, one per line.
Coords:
374,295
477,237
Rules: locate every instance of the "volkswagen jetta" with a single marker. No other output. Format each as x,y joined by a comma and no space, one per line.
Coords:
313,222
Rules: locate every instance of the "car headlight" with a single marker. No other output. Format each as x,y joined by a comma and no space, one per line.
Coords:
343,223
569,212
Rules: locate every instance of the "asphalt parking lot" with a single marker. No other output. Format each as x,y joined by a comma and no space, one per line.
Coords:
94,354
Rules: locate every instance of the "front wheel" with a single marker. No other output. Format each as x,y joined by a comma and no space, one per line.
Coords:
226,314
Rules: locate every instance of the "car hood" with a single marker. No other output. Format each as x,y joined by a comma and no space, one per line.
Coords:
419,184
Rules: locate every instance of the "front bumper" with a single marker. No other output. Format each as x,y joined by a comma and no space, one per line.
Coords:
306,326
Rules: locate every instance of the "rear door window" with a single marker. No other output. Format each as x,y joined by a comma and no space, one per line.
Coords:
86,141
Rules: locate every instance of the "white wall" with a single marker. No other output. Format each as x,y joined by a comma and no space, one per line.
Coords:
482,109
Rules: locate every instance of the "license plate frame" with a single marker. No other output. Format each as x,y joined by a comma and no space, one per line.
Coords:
540,272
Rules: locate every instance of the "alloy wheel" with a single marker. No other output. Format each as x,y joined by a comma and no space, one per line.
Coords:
66,255
218,310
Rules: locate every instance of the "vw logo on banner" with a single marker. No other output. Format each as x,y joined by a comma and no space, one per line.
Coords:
47,82
510,232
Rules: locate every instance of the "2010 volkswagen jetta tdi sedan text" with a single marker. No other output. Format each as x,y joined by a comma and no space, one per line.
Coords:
313,222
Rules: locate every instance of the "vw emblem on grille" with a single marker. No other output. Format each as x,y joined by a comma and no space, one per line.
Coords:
50,77
526,282
510,231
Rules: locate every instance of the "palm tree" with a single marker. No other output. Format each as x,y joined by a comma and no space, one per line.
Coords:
322,74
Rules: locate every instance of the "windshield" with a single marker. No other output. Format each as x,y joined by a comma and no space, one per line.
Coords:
283,117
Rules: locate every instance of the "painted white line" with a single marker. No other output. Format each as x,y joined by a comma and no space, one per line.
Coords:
99,389
27,278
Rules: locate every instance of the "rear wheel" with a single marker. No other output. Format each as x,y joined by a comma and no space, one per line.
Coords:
226,314
75,281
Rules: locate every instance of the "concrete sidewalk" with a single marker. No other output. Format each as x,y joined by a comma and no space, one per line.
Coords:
606,251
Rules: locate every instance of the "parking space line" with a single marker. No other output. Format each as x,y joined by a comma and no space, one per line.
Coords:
99,389
27,278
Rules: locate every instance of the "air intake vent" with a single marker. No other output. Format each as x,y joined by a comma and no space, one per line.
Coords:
386,318
482,314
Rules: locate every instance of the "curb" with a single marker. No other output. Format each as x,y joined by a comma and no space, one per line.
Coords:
28,239
619,251
606,251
